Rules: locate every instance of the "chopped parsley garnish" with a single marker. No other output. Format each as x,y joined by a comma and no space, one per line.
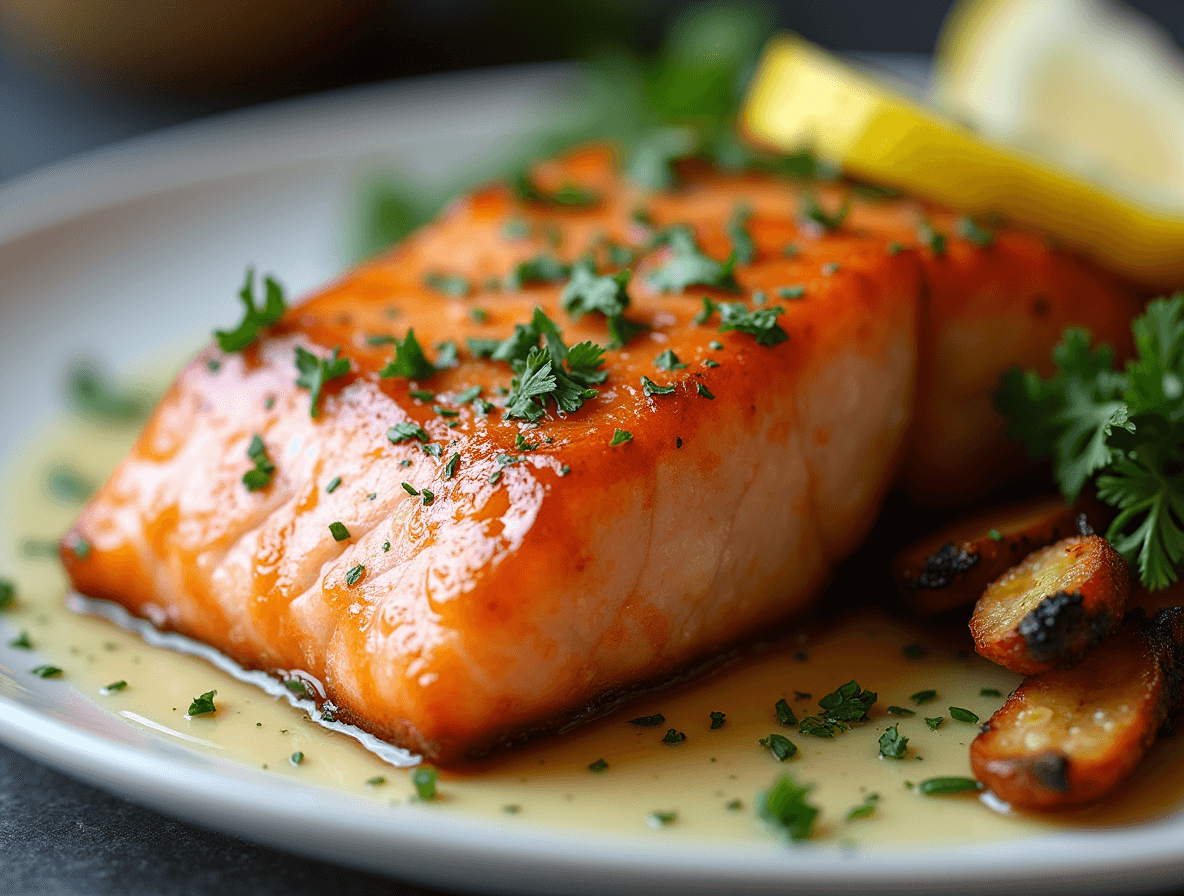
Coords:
688,266
662,819
648,721
453,285
386,546
259,477
315,372
935,722
552,373
67,484
495,477
895,248
620,437
406,431
254,319
444,412
586,293
931,238
376,781
377,339
780,746
936,786
958,714
467,395
668,360
717,720
815,727
923,697
849,703
447,355
784,808
526,190
7,594
703,390
21,641
913,651
649,387
784,713
893,744
95,394
715,345
994,535
432,450
866,810
710,364
354,575
428,497
451,465
733,805
543,268
115,687
791,292
830,268
425,780
338,531
899,711
990,692
45,671
973,232
298,687
410,489
598,766
761,323
813,211
673,737
296,758
1124,428
516,229
409,362
203,704
333,484
511,808
743,247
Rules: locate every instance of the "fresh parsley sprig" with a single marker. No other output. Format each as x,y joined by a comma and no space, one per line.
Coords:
586,292
552,372
315,372
254,319
1123,429
409,360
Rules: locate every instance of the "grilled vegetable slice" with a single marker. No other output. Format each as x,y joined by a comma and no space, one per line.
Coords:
1068,737
1046,612
953,567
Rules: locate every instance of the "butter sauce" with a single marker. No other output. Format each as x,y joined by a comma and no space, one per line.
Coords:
707,780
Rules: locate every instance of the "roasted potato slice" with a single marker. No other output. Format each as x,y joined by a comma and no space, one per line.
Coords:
1047,611
1068,737
952,567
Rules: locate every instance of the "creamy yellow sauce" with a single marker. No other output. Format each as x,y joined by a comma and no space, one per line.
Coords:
549,783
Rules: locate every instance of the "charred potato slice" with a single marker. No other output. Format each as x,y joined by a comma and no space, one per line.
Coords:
1067,738
1047,611
953,567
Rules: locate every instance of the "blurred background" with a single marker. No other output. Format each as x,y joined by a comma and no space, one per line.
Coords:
78,74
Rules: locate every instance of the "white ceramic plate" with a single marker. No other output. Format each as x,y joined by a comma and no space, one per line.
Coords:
116,255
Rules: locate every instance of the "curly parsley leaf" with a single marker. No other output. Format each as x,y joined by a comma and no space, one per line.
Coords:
315,372
849,703
893,744
203,704
586,292
760,324
551,372
1126,429
409,361
254,319
784,808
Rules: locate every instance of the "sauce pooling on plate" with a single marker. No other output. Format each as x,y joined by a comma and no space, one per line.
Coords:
687,761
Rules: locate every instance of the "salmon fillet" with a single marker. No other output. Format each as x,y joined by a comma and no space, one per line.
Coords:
486,576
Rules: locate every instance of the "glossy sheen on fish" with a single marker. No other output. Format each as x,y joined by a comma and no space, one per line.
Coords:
553,569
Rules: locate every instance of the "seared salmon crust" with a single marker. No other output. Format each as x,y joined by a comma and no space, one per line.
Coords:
474,576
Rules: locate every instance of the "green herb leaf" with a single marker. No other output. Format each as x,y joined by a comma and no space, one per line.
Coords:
7,594
406,431
815,727
526,190
338,531
936,786
428,497
598,766
893,744
958,714
673,737
376,781
934,723
849,703
717,720
93,393
688,266
990,692
542,376
354,575
648,721
21,641
973,232
760,324
115,687
332,485
259,477
66,484
743,248
254,319
814,212
203,704
791,292
649,387
662,819
425,780
995,535
296,758
298,687
780,746
453,285
899,711
784,807
784,713
620,437
409,362
315,372
923,697
703,390
868,809
45,671
931,238
668,360
543,268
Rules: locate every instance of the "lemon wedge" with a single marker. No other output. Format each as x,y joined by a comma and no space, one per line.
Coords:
803,98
